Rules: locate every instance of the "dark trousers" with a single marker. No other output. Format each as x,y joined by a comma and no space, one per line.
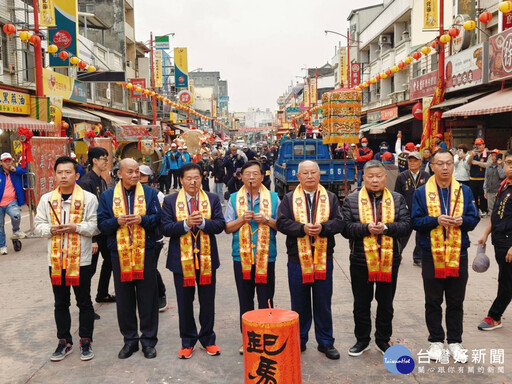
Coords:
246,288
477,187
321,293
106,266
62,297
141,295
451,288
165,183
185,299
363,291
504,285
159,282
175,175
416,254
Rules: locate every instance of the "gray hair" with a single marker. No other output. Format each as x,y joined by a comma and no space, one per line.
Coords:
374,164
305,162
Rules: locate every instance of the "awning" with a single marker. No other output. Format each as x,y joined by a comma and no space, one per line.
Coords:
497,102
119,120
457,100
11,123
79,114
381,128
366,127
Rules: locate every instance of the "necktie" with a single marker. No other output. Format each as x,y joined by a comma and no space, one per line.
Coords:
310,201
193,204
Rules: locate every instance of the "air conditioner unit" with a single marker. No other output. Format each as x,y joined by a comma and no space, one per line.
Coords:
107,93
135,107
384,39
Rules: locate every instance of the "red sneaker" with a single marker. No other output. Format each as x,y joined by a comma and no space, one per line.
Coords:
489,324
185,353
212,350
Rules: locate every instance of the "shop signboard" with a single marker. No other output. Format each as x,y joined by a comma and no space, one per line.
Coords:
133,132
14,102
137,83
56,84
64,35
500,56
389,113
467,68
424,85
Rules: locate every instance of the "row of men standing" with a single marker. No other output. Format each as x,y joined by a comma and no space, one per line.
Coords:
374,219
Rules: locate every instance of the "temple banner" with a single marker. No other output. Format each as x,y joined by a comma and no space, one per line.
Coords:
341,110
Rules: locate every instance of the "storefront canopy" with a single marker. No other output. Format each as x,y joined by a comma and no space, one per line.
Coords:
381,128
457,100
79,114
119,120
497,102
12,123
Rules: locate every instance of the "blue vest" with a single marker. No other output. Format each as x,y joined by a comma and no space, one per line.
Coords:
235,245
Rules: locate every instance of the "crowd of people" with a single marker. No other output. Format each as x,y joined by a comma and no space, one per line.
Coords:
440,195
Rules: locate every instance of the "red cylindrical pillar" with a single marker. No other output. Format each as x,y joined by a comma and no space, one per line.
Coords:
271,346
38,55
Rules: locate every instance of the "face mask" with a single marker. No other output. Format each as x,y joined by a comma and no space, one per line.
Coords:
383,149
364,144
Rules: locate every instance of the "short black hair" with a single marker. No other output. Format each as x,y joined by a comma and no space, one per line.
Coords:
96,153
507,154
440,151
252,163
65,160
464,147
190,167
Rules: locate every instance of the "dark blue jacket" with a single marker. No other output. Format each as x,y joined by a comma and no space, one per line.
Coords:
108,225
175,229
16,183
423,223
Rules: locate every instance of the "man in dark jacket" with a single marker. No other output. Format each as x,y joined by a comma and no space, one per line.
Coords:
443,212
128,215
93,182
480,159
12,197
375,220
251,155
500,228
205,164
310,217
192,218
362,155
218,174
232,162
406,183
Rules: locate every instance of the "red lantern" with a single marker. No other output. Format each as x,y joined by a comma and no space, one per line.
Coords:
453,32
438,114
485,17
416,55
82,64
417,111
63,55
388,72
434,44
9,29
377,77
35,40
401,65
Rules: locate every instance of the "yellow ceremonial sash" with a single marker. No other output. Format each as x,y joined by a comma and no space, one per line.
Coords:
312,266
445,243
68,259
245,236
131,239
188,242
379,258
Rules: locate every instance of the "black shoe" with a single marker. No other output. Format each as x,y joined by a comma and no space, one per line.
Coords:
330,352
127,351
149,352
106,299
382,347
359,348
162,304
96,316
303,347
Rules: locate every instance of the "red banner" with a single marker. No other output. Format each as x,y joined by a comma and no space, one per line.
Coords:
133,132
137,83
500,56
423,86
355,74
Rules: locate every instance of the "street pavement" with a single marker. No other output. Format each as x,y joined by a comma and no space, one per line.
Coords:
28,334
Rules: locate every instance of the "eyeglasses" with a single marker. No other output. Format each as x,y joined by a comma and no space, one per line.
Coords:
104,158
508,163
441,164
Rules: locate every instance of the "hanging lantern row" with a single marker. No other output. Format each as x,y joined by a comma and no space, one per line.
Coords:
149,92
75,61
25,36
469,25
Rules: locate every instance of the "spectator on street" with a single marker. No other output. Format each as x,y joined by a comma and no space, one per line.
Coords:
494,175
81,170
267,170
205,164
232,162
362,155
184,157
174,167
66,216
461,163
218,173
12,198
251,155
425,162
164,177
439,143
479,160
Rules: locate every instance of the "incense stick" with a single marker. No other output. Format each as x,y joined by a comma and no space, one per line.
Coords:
457,200
54,213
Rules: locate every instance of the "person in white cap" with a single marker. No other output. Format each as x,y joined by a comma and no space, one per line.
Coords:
184,157
81,170
12,198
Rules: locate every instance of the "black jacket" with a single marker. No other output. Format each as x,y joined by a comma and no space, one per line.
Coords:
218,170
355,231
293,229
95,184
405,185
501,218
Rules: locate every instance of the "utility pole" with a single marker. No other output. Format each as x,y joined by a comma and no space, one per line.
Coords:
38,55
152,77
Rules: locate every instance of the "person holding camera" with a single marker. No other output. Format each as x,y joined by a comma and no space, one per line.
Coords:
461,163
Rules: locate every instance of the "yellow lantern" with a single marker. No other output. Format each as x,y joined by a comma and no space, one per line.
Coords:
52,49
469,25
395,69
129,85
373,80
445,39
426,50
25,36
91,68
505,6
153,93
408,60
147,91
138,89
74,60
357,88
383,75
